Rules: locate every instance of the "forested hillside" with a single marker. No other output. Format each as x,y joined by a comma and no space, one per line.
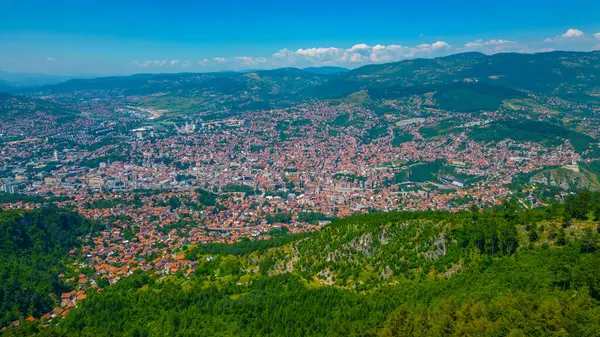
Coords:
12,106
465,82
34,247
503,272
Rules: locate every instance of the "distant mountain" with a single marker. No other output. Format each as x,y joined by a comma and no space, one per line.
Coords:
455,80
461,82
326,70
555,72
5,85
221,81
233,91
30,80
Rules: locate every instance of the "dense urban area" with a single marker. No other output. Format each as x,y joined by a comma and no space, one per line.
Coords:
151,176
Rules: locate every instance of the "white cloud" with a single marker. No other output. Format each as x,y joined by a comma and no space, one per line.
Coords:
390,53
472,44
312,56
572,33
362,53
248,60
439,45
212,61
498,42
358,54
150,63
320,53
50,59
479,43
360,48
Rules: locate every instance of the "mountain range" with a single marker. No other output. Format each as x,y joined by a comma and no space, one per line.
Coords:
10,79
486,79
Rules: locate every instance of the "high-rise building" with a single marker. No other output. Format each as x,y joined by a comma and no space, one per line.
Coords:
11,187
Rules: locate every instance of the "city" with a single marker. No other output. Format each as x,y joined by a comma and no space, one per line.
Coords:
170,186
306,169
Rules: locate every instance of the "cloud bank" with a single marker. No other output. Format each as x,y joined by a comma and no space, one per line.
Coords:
362,53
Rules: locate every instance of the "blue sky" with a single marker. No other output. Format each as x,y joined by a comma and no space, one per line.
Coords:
124,37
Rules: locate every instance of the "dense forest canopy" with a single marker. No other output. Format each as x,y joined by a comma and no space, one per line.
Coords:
34,247
501,272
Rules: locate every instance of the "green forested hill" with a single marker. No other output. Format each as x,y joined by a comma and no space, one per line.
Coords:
472,81
495,273
463,82
460,96
12,106
199,92
540,72
525,130
33,248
